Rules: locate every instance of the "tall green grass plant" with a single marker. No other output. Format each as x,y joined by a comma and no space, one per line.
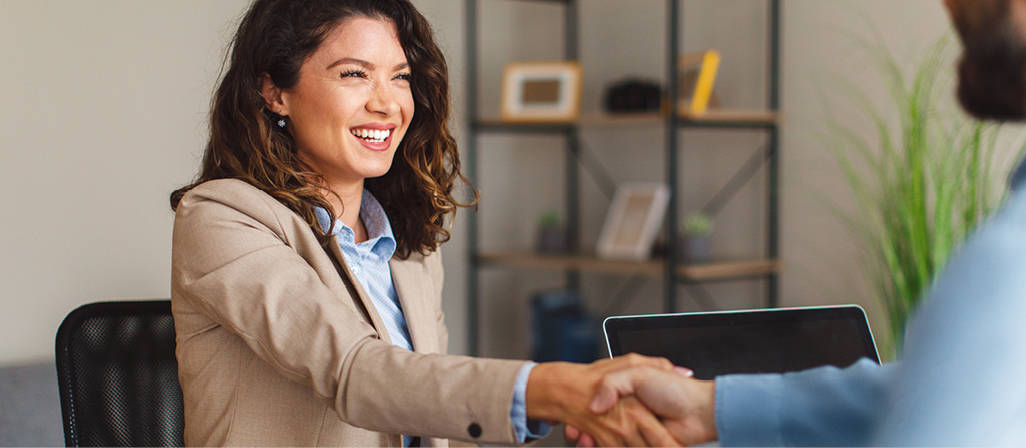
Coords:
921,184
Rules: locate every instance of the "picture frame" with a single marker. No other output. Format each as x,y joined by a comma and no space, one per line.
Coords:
633,220
697,73
541,91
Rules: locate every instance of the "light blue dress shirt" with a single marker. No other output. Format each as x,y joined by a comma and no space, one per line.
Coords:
961,381
368,261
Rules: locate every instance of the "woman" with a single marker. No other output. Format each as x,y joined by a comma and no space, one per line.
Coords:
306,278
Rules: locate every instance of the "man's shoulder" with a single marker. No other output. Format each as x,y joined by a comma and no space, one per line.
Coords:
1004,234
985,279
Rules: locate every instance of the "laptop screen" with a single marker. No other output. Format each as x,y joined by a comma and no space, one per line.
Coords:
748,341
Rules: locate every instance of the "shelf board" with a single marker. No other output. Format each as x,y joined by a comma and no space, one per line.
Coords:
542,1
732,118
714,118
525,127
729,269
605,119
709,271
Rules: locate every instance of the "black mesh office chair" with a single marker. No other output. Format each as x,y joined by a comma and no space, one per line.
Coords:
118,376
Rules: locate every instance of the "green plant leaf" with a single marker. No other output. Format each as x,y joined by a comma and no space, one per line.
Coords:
921,184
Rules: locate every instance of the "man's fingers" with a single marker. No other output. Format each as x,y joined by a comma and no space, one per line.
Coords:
571,433
608,439
636,439
630,433
641,426
599,431
586,441
654,432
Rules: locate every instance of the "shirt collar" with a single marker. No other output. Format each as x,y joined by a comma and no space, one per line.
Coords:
380,237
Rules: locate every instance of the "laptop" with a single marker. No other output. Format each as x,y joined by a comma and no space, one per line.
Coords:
773,340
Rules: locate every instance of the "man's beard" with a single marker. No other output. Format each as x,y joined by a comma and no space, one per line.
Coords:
992,75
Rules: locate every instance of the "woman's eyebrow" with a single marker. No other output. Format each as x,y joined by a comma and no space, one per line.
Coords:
367,64
351,61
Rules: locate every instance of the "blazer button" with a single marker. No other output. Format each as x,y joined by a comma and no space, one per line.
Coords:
475,430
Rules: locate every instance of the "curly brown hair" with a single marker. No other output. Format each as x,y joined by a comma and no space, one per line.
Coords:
274,38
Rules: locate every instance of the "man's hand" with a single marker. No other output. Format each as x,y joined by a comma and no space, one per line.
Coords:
685,405
561,391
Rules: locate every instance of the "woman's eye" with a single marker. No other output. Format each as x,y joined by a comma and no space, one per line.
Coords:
404,76
352,74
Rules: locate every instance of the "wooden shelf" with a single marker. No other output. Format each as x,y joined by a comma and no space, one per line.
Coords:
715,118
604,119
543,1
732,118
497,125
709,271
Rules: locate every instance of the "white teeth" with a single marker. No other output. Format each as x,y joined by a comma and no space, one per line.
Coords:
373,135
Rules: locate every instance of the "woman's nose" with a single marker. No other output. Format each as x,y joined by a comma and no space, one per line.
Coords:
383,101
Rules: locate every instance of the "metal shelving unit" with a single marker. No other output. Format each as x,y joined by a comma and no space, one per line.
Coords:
675,122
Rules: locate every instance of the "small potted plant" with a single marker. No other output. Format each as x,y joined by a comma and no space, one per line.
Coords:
551,234
694,245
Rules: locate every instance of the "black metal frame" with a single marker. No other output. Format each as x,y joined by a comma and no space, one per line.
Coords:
674,125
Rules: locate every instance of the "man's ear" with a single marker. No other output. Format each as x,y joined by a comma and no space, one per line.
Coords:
272,96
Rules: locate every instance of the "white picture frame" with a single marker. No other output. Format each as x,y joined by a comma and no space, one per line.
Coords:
541,92
633,220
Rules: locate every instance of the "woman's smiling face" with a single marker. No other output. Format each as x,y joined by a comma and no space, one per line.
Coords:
353,102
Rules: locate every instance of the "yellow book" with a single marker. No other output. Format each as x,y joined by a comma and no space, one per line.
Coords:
704,84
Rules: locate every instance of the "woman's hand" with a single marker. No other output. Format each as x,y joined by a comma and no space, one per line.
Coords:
561,391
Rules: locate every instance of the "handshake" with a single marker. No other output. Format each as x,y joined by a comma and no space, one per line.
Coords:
631,400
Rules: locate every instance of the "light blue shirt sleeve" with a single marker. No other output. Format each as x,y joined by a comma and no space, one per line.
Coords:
962,380
523,427
815,407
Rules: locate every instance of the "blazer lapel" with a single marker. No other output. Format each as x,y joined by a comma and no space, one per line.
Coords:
411,285
365,300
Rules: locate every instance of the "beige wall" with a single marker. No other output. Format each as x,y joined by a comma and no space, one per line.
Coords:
105,114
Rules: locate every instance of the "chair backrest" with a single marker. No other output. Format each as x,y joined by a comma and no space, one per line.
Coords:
118,376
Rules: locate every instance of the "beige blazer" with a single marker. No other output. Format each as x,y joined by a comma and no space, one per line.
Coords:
278,345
